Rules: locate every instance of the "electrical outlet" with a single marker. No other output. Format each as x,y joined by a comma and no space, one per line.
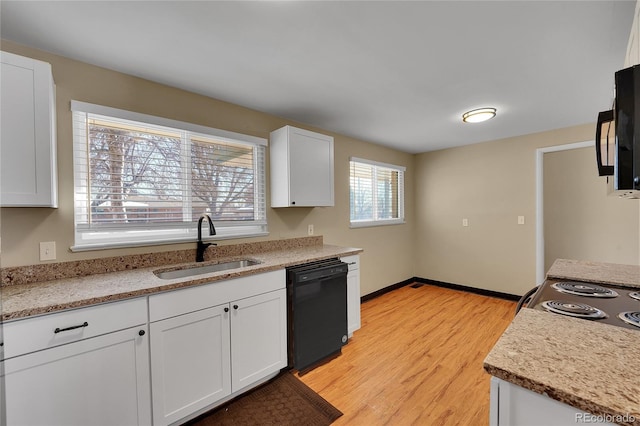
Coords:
48,250
465,222
310,230
520,220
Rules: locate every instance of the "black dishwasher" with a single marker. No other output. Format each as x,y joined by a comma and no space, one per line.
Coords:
317,302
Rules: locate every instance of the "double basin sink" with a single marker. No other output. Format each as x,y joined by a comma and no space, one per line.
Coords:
191,271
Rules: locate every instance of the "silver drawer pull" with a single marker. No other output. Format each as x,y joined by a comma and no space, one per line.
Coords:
59,330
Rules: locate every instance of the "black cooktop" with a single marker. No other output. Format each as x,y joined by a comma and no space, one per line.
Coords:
605,303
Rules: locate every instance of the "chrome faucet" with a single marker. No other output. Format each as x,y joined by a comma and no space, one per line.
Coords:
203,246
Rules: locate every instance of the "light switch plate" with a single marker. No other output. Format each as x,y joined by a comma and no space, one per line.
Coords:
520,220
310,230
48,250
465,222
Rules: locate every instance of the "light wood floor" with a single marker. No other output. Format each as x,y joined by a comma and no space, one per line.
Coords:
417,360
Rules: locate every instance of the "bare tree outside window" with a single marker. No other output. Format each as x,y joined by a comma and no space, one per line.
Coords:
138,176
222,178
143,180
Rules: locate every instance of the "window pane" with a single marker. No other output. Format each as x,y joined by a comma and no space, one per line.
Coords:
222,180
387,196
361,190
376,192
135,175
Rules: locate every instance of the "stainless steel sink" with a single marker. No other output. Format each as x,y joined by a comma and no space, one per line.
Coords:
205,269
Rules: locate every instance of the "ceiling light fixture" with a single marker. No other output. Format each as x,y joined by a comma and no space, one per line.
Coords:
478,115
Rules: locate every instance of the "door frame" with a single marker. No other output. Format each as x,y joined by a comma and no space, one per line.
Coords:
540,272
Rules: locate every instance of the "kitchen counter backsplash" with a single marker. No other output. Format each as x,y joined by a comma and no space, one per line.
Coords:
121,278
81,268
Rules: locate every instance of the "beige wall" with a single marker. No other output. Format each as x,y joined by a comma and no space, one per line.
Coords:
580,220
491,184
23,228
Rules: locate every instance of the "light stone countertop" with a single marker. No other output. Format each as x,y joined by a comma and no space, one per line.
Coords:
36,298
588,365
596,272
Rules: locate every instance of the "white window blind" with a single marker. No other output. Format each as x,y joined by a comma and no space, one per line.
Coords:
148,180
376,193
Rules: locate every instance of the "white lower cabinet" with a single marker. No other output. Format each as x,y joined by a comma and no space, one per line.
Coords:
201,358
353,293
158,360
513,405
258,337
101,380
191,363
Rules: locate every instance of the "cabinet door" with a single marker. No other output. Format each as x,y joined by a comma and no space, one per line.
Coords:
353,293
28,151
258,337
353,301
311,168
301,168
512,405
190,363
99,381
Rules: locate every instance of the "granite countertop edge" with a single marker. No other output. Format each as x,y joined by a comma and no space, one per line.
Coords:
25,300
601,379
577,401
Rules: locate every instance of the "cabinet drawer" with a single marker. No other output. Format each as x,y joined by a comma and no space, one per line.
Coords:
182,301
47,331
353,261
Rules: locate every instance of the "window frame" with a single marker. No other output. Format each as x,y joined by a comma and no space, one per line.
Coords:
106,236
400,191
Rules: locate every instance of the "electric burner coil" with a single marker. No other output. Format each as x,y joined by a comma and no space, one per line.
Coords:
577,310
584,289
632,318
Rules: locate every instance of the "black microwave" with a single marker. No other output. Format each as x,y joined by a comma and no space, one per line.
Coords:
618,136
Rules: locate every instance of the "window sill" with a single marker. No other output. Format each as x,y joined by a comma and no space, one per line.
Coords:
371,223
141,243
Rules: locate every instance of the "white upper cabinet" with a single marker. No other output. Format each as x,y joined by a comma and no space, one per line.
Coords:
633,47
28,176
301,168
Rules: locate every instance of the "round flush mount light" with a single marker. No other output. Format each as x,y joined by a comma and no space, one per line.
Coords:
478,115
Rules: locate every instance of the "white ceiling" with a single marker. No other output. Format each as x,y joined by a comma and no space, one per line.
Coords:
390,72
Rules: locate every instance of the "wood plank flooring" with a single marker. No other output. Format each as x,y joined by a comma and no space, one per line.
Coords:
417,360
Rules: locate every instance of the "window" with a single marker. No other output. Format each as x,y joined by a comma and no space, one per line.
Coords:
142,180
377,193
